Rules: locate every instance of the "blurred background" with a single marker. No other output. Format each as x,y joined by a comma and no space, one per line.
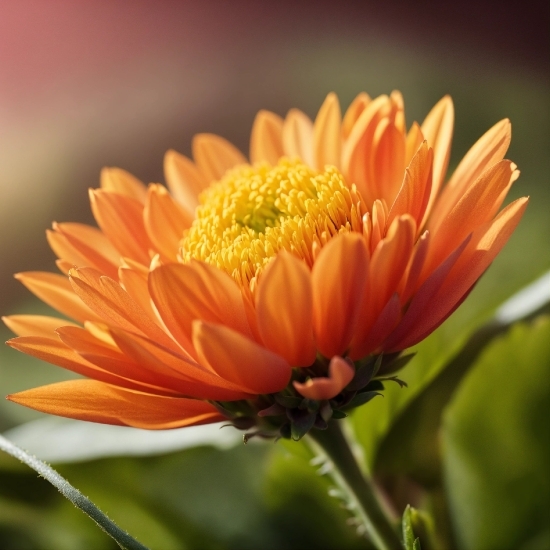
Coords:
87,84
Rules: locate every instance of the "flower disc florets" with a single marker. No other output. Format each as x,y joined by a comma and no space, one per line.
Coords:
253,212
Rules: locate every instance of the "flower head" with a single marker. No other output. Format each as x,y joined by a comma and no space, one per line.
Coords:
275,292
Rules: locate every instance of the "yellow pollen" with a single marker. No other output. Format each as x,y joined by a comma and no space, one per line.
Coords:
253,212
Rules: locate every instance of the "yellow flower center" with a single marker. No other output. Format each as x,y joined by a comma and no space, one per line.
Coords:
253,212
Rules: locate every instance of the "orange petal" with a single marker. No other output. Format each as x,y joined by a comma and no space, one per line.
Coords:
357,106
486,242
297,136
284,306
266,139
356,156
386,270
115,306
135,284
214,155
415,190
240,360
165,221
185,292
34,325
175,371
184,179
480,203
98,402
338,281
121,219
327,134
415,266
423,300
340,374
437,129
413,142
92,245
64,250
486,152
119,181
387,164
57,353
57,292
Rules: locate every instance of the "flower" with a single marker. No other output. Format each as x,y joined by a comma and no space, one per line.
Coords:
274,293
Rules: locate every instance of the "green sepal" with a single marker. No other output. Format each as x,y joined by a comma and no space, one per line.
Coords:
301,421
288,401
364,372
338,415
360,399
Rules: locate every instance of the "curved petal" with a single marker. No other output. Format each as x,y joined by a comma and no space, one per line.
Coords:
284,307
413,142
415,191
115,306
215,155
266,139
96,249
338,282
479,204
297,136
238,359
165,221
184,179
487,151
35,325
437,129
98,402
353,112
185,292
121,182
327,134
340,374
121,219
56,291
57,353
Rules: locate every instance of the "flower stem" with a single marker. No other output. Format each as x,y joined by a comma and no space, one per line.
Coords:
359,489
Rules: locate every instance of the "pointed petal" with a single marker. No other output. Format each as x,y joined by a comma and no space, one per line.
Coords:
175,371
35,325
64,250
327,134
478,205
486,242
57,292
266,139
284,306
357,106
57,353
165,221
338,281
437,129
487,151
184,179
415,190
115,306
340,374
240,360
121,219
121,182
185,292
92,245
98,402
413,142
297,136
215,155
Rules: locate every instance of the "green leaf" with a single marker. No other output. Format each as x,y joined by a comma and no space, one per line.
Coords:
409,540
497,446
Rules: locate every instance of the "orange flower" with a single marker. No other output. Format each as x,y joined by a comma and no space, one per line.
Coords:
275,293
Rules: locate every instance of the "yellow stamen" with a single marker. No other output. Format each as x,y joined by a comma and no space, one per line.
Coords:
255,211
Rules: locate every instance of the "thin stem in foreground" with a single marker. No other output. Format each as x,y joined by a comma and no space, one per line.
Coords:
360,490
123,539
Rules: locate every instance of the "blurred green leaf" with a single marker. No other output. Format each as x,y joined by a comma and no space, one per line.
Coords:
497,444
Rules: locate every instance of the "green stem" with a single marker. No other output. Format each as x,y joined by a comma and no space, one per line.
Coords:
123,539
360,489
